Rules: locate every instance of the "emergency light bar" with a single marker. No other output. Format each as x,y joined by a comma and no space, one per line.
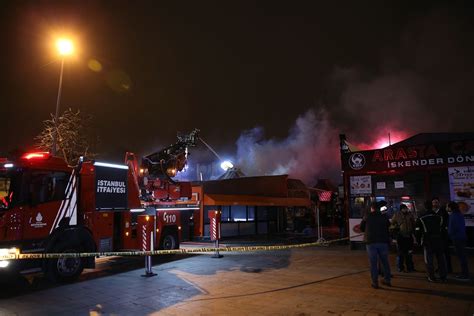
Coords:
36,155
110,165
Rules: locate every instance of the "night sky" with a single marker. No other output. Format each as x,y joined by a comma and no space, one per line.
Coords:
269,83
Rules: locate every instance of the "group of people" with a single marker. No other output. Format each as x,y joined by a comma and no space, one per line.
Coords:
433,230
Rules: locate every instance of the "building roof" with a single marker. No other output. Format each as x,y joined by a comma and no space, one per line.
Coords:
426,138
274,186
271,186
232,173
224,199
325,185
297,189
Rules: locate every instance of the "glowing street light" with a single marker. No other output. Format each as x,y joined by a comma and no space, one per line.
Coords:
65,48
226,165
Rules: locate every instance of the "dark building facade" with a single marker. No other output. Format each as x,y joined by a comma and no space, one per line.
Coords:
250,205
410,172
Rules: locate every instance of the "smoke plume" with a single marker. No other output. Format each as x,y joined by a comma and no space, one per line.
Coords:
420,82
310,150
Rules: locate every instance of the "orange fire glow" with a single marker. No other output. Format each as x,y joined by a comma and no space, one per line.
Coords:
382,140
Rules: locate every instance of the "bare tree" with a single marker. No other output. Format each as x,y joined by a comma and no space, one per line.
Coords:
75,136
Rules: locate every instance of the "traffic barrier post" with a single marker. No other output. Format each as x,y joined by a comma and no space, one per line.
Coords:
148,229
215,230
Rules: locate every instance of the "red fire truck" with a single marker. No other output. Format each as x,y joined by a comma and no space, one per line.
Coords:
48,207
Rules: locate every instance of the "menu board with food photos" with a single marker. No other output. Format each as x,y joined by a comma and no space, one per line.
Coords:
461,186
361,185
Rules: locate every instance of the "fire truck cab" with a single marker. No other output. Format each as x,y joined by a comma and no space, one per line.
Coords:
48,207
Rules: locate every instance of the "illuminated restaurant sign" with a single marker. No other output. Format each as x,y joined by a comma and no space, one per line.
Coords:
403,157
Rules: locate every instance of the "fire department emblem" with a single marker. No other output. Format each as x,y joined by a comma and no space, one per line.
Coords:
357,161
39,221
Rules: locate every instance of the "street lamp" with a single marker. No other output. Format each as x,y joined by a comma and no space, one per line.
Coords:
65,48
226,165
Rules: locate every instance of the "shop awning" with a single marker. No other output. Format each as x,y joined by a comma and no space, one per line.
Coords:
253,200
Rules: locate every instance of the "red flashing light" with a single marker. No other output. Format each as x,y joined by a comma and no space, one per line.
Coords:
406,198
324,196
36,155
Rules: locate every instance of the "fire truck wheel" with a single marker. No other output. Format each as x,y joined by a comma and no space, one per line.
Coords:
65,270
169,242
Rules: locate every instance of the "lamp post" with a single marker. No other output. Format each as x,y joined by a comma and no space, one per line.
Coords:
65,48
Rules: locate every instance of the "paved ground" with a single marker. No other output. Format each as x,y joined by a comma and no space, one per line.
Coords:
310,281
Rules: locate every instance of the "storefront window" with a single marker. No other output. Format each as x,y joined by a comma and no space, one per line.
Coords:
407,188
225,217
251,213
239,213
262,213
272,213
358,205
409,184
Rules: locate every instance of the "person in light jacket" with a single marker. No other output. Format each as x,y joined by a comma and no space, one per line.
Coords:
403,223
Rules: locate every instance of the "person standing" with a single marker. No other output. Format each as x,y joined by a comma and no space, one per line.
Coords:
384,210
441,211
457,233
403,223
429,231
375,225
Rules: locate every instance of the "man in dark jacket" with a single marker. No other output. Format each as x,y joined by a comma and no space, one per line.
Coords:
439,210
457,233
376,225
430,232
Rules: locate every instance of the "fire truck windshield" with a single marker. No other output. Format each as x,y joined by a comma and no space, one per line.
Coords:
9,183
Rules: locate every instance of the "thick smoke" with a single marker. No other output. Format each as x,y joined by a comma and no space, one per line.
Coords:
370,109
423,83
310,151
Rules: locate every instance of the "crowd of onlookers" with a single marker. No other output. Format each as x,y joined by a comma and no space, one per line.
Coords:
435,230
